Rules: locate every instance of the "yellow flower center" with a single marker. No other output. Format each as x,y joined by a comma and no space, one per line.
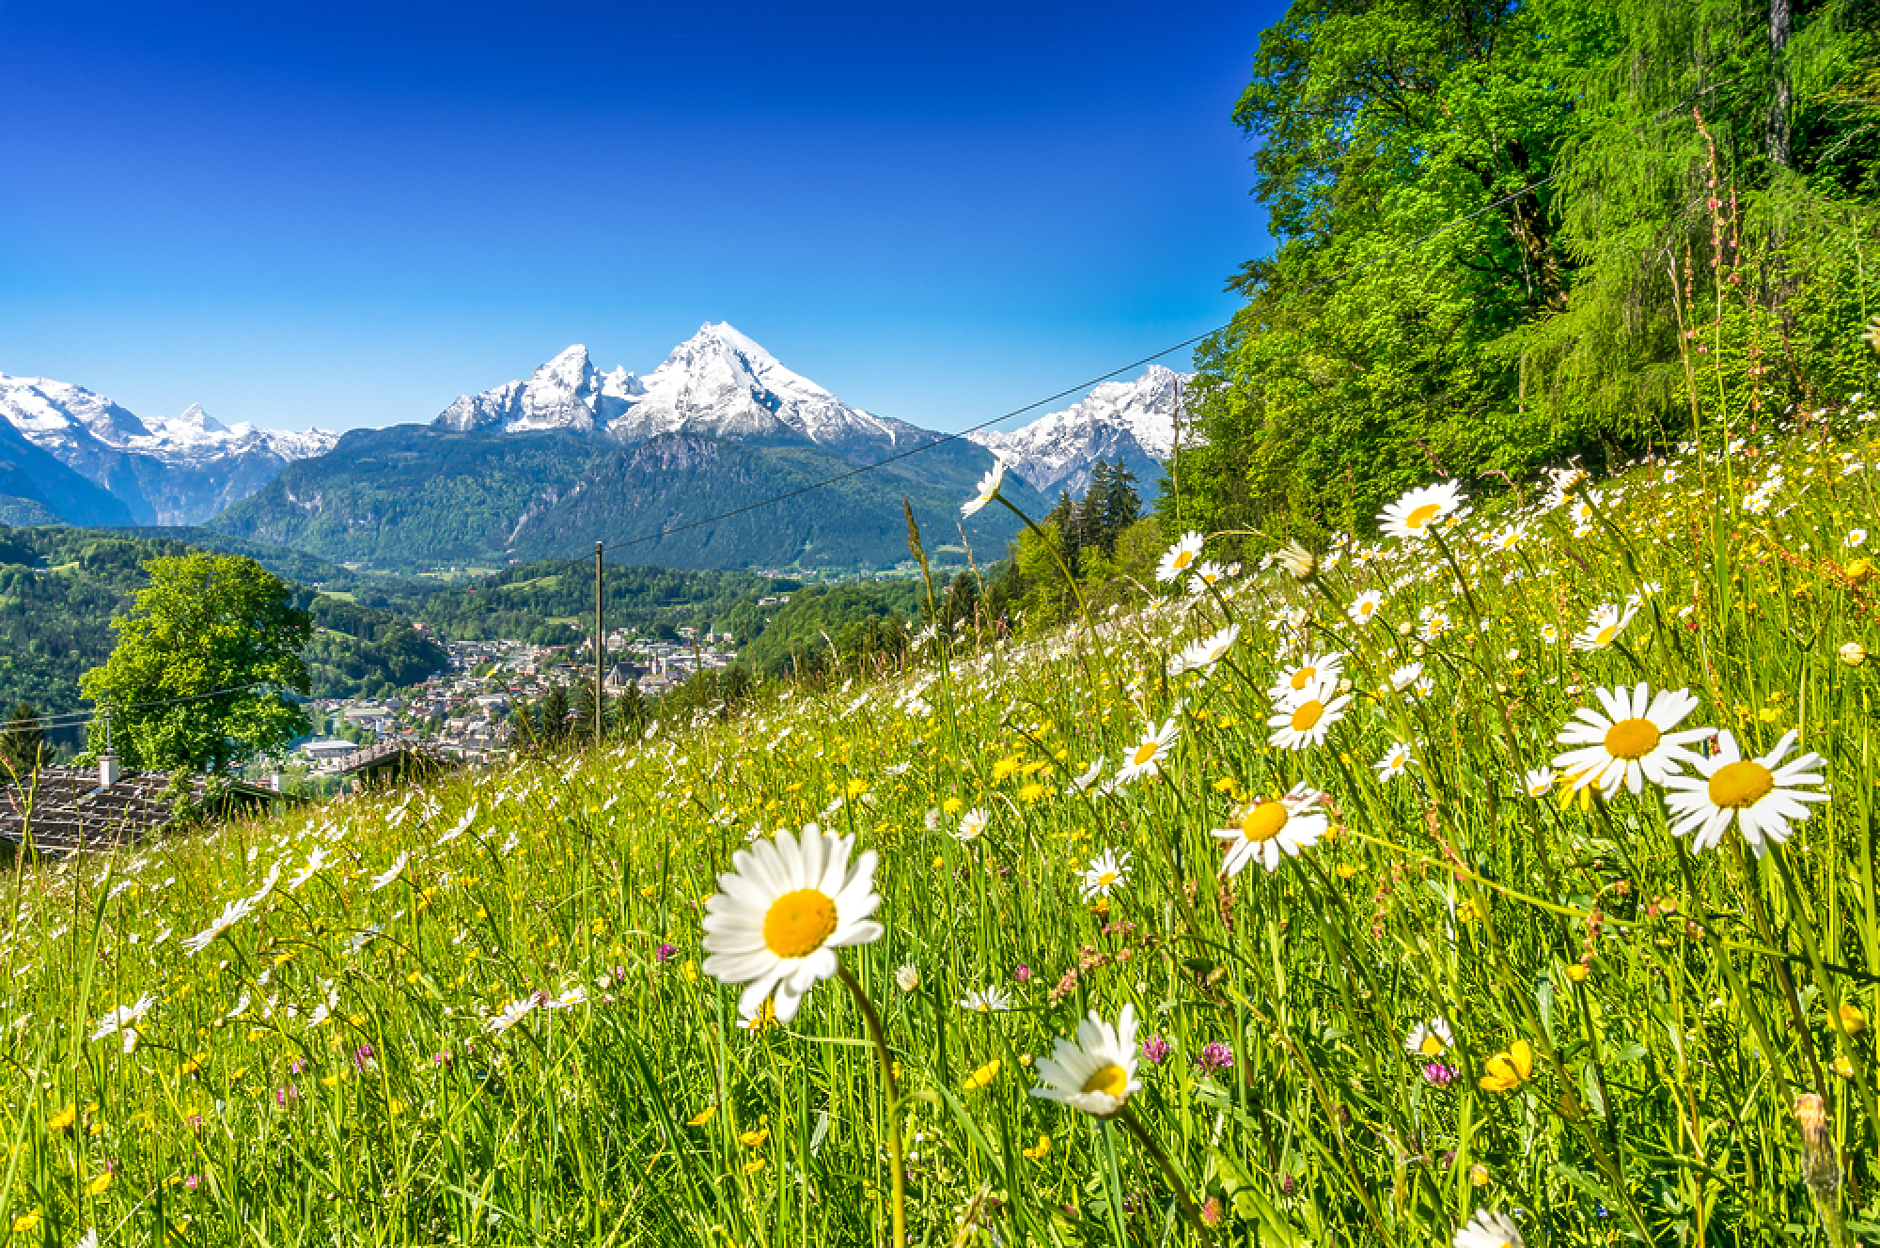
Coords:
1111,1081
798,923
1421,516
1365,608
1106,879
1146,751
1432,1045
1263,822
1308,714
1605,635
1303,677
1632,738
1183,559
1736,785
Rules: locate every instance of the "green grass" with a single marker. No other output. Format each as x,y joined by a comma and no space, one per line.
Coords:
1677,1002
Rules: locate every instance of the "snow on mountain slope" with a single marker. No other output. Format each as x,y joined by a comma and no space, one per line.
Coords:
718,383
167,471
1130,420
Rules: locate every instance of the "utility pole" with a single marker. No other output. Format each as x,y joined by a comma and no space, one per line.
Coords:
600,651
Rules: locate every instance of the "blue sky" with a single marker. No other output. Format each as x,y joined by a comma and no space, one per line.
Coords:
346,214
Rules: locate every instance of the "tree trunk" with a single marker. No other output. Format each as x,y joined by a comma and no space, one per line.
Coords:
1781,20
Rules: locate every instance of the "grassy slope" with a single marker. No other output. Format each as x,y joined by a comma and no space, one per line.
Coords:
1662,1086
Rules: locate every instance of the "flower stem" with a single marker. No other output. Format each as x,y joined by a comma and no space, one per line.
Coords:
1169,1172
875,1033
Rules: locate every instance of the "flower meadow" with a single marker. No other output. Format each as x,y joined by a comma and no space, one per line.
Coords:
1506,879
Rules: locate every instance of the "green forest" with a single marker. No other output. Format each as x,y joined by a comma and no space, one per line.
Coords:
60,586
1511,234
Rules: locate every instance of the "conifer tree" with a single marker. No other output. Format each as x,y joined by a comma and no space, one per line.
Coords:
22,744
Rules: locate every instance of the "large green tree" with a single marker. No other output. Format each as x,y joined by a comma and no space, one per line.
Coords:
202,663
1505,227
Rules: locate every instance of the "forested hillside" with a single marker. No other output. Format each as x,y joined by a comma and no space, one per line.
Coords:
1514,233
552,603
60,586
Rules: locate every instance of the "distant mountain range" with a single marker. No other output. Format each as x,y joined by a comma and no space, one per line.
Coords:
537,468
129,469
1133,421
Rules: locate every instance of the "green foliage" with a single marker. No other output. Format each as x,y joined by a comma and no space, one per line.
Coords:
60,586
417,496
174,689
22,744
531,602
1402,330
865,622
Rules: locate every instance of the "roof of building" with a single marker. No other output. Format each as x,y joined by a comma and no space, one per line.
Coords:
64,809
388,754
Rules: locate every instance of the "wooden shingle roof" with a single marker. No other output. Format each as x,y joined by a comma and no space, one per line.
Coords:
64,810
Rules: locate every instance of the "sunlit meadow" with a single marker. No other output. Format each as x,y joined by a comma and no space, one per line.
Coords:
1395,963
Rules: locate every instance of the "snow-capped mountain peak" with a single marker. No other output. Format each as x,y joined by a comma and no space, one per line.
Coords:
1129,420
167,471
717,383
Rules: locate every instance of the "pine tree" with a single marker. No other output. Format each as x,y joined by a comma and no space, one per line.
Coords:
553,714
583,727
22,744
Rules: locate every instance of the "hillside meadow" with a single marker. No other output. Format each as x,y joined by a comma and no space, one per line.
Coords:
1283,890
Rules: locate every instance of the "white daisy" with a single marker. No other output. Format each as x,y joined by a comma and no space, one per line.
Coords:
1104,873
1760,794
1405,676
1146,758
1539,782
1202,655
1097,1072
972,825
391,873
783,910
1083,782
1269,830
510,1015
1549,634
1604,626
1293,680
986,1000
1489,1230
1205,575
1395,762
1304,718
988,490
316,863
234,913
1176,559
1365,606
1431,1039
1854,538
1413,515
124,1017
1631,743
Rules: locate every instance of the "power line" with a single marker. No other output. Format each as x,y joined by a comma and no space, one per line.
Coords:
74,719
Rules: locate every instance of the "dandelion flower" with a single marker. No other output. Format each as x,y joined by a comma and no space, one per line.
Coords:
1431,1039
783,910
1270,830
972,825
1365,606
1097,1072
1303,719
1176,559
1632,742
1604,627
1413,515
988,489
1146,758
1106,872
1489,1230
1763,796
